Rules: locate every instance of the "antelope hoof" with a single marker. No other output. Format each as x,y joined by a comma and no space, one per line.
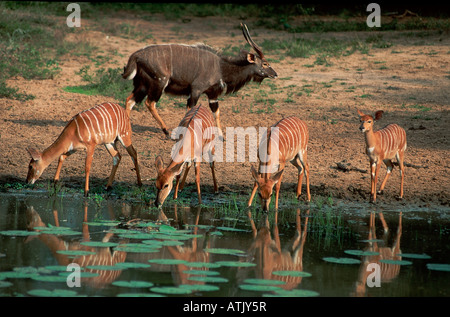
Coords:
399,197
86,194
380,192
165,131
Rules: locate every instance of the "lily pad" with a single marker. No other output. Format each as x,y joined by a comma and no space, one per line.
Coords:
140,235
49,278
361,252
104,267
224,251
231,229
166,228
167,261
97,244
61,232
137,248
136,284
414,256
106,223
438,267
292,273
19,233
208,279
262,281
201,272
203,264
200,287
236,264
4,284
75,252
396,262
139,295
171,290
341,260
294,293
259,288
52,293
132,265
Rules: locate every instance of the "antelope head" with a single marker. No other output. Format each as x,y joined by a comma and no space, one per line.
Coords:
164,180
265,186
261,65
367,121
36,166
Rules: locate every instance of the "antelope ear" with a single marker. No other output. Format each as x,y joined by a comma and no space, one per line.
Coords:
159,164
35,155
276,177
254,173
177,168
360,113
378,114
251,58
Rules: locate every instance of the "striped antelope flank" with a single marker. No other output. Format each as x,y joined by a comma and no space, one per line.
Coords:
196,141
106,124
289,143
192,70
383,146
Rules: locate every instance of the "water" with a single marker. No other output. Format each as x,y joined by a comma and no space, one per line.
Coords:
215,254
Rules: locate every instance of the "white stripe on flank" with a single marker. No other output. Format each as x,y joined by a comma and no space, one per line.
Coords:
108,128
113,107
87,128
78,128
92,125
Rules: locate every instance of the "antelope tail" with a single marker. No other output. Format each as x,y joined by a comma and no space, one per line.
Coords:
130,70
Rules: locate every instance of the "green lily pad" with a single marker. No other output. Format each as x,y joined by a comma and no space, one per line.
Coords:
171,290
106,223
75,252
216,233
208,279
13,274
82,274
236,264
224,251
294,293
414,256
99,244
52,293
231,229
136,284
438,267
136,248
292,273
203,264
259,288
200,287
262,281
396,262
104,267
167,261
166,228
61,232
50,278
58,268
341,260
132,265
19,233
140,235
139,295
201,272
4,284
361,252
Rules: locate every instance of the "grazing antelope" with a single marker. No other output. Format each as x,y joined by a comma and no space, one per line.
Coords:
288,139
192,70
382,146
198,139
106,124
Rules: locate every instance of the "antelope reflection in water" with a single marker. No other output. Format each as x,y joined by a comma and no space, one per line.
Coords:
189,253
270,257
102,255
388,271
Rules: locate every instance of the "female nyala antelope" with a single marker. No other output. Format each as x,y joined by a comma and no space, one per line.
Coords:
106,124
198,139
289,143
383,145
